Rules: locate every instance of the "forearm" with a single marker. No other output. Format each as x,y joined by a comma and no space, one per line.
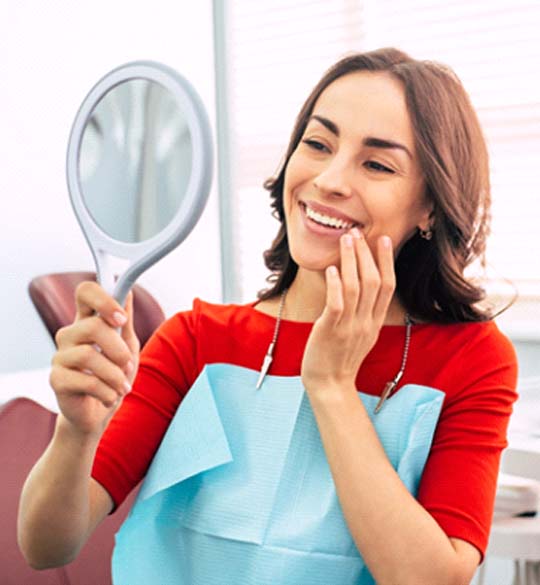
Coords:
397,538
53,521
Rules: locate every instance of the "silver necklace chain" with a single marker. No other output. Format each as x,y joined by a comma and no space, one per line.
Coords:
389,387
270,351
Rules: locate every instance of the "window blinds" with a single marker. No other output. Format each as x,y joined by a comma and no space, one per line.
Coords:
277,51
494,47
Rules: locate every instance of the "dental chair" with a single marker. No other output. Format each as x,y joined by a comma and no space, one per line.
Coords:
25,430
53,296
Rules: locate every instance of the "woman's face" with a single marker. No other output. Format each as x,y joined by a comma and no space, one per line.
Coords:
354,165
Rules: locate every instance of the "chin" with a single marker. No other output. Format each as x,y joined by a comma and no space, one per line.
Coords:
313,262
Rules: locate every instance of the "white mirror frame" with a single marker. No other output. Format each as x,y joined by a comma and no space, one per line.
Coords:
137,257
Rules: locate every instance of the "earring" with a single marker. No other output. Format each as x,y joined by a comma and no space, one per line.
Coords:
425,234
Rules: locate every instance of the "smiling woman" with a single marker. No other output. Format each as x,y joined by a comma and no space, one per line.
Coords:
366,448
416,135
339,166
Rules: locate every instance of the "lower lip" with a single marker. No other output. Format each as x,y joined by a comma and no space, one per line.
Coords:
319,229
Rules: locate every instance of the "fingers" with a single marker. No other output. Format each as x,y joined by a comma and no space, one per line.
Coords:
349,274
90,299
370,278
69,382
333,309
98,317
367,286
128,330
88,360
92,358
81,365
385,256
95,331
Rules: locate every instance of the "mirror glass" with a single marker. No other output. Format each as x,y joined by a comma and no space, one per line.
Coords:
139,169
135,160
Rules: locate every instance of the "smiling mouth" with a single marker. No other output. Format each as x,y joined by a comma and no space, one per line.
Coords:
326,220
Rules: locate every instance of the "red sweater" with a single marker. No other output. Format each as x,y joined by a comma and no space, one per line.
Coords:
474,364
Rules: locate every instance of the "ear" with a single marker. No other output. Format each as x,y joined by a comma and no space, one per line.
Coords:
427,218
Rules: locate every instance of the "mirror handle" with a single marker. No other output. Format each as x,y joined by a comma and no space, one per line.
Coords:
108,270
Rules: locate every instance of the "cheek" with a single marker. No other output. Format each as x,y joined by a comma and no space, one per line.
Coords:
290,185
286,202
300,170
288,179
395,214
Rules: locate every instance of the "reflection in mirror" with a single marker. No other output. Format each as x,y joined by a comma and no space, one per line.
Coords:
135,160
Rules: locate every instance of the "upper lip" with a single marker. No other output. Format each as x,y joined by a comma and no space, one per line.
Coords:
329,211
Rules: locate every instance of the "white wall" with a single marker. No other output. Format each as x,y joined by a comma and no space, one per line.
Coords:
52,53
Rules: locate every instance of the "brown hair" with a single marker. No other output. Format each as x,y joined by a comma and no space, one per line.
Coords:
454,160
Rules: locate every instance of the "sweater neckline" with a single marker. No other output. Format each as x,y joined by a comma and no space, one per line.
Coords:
308,324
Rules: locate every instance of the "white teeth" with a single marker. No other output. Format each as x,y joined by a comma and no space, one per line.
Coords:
327,220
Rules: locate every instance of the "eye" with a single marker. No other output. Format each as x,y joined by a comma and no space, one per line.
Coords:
378,167
315,144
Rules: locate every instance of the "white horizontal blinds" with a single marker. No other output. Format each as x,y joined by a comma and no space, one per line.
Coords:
278,50
494,47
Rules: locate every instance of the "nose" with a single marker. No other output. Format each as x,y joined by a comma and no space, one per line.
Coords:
336,178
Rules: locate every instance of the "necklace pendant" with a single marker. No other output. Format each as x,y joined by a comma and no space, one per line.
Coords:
269,352
385,394
264,369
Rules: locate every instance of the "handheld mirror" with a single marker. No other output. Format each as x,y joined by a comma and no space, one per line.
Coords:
139,169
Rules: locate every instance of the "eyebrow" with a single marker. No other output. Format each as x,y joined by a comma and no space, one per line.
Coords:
370,141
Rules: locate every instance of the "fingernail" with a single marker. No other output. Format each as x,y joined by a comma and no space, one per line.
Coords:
119,318
386,241
127,387
129,367
356,233
347,240
332,270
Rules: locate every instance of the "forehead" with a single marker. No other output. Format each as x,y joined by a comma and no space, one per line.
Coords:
367,104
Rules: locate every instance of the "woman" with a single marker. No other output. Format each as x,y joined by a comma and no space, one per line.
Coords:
370,450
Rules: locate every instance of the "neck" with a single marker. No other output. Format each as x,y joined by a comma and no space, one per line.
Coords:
306,299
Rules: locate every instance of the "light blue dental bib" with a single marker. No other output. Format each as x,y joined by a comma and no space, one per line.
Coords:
240,491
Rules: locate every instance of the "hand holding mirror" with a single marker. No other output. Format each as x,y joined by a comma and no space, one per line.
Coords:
139,169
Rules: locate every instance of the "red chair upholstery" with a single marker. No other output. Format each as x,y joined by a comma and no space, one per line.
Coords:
25,430
53,296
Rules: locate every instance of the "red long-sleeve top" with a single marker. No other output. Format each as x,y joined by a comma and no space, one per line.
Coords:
474,364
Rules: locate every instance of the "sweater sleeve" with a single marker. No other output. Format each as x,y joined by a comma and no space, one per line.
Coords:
167,369
460,478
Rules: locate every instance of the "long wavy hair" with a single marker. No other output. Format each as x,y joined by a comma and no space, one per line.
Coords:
430,280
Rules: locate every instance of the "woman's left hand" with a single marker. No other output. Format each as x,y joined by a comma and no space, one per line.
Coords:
357,301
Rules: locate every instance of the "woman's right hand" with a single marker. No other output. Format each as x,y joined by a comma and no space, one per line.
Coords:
94,366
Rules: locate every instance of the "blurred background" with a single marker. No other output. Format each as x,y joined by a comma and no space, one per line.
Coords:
253,63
